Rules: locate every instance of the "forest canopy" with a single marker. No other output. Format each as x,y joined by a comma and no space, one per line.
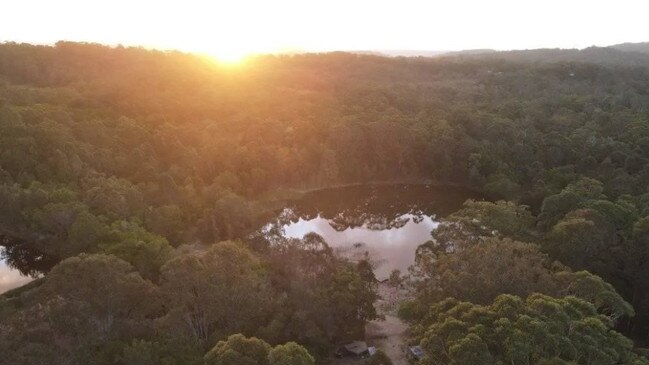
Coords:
144,174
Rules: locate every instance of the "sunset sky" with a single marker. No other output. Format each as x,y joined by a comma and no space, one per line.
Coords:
233,28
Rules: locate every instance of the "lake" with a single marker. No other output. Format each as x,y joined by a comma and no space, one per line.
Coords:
10,278
385,222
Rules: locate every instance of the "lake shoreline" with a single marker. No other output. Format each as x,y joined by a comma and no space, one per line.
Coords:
285,195
384,223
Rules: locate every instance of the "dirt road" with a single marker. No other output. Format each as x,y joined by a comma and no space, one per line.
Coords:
389,336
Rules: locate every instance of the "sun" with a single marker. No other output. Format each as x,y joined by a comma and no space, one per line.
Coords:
235,48
230,56
233,53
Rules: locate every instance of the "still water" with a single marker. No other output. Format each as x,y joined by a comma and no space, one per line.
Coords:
385,222
10,278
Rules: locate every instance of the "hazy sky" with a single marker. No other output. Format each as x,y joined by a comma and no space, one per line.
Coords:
240,26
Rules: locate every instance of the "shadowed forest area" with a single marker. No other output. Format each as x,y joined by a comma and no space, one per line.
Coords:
132,183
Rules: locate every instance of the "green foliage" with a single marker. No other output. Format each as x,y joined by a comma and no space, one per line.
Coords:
130,152
290,354
501,185
161,351
239,350
166,221
586,188
593,289
556,206
540,329
231,217
70,314
582,239
503,266
144,250
216,292
81,282
320,299
113,197
140,352
479,219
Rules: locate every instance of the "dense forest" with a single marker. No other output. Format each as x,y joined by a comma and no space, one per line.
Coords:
132,181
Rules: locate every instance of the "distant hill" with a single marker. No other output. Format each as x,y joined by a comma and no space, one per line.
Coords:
624,54
412,53
423,53
369,53
402,53
469,52
608,56
642,47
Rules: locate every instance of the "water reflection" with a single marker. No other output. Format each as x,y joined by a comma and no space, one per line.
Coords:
11,278
389,249
385,222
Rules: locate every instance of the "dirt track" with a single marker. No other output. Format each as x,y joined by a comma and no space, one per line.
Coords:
389,336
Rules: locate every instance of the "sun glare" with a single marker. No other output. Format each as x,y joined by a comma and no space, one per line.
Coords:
230,57
233,53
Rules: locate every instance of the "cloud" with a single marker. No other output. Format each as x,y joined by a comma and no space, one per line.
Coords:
394,247
10,278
